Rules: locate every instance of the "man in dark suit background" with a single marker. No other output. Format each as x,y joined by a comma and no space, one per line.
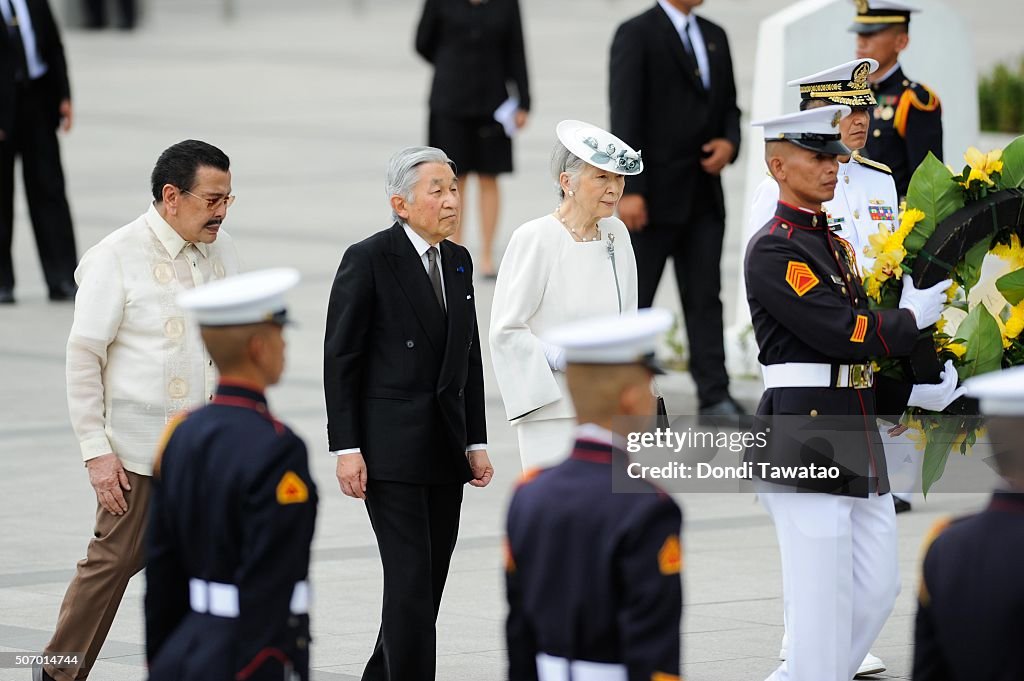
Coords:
35,98
403,380
673,95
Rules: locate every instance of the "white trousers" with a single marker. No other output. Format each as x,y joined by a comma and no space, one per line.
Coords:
840,578
545,442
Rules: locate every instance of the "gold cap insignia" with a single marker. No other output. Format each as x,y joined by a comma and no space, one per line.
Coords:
836,119
860,76
862,6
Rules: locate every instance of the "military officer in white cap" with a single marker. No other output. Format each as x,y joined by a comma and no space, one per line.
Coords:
969,601
593,576
233,507
816,335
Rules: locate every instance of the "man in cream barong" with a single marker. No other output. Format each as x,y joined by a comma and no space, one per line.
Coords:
133,364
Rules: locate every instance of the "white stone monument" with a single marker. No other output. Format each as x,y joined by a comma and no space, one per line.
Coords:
812,35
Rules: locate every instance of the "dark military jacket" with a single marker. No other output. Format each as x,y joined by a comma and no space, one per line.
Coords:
906,125
233,503
807,305
591,574
971,599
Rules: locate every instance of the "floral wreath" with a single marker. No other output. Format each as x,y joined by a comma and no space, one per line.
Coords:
954,226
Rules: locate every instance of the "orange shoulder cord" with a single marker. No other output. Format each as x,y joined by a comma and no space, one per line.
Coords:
907,99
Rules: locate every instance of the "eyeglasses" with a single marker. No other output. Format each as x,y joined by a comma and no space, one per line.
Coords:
213,203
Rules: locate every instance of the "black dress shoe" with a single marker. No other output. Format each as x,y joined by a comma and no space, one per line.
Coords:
64,291
901,505
6,295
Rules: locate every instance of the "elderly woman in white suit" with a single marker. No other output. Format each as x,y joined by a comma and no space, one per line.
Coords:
574,262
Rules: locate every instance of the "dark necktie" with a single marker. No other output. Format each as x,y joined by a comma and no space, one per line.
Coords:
17,45
435,276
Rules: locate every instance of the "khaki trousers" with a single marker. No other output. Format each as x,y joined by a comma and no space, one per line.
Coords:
116,553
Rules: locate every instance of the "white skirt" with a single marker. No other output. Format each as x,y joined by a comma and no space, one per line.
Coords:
546,442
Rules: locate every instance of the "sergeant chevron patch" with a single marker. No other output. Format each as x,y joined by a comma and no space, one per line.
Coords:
292,490
800,277
859,329
670,556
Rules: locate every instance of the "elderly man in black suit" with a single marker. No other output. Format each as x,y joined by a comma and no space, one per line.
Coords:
405,399
35,98
673,95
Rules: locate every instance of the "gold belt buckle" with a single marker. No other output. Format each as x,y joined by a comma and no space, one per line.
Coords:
861,376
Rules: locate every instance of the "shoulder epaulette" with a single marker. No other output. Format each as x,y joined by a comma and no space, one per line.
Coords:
874,165
169,429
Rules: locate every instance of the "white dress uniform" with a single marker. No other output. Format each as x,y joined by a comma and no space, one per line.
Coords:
546,279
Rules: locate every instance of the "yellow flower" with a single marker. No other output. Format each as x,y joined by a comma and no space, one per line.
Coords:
907,222
1015,322
873,288
983,165
951,292
887,250
940,326
958,349
917,436
1012,253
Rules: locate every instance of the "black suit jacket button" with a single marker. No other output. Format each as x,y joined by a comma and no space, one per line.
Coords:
409,344
460,392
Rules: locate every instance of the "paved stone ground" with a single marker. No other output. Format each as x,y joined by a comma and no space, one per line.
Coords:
309,98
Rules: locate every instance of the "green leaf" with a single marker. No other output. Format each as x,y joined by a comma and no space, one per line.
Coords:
970,268
1013,165
984,342
936,451
933,191
1012,286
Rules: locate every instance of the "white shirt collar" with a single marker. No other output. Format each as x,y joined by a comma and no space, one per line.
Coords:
418,242
677,16
596,433
888,74
167,236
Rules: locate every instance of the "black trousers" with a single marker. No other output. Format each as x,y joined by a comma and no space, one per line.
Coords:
695,244
34,139
416,528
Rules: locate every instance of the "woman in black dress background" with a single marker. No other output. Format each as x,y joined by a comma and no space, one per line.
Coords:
476,47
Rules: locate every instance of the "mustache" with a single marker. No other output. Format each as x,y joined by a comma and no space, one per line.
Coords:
214,223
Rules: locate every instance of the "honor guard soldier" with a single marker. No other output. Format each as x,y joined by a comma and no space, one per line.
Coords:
233,507
907,122
816,335
593,556
969,623
865,203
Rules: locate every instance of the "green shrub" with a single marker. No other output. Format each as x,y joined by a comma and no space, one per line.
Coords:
1001,99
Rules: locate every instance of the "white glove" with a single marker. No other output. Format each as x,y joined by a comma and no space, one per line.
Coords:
926,303
555,356
937,396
